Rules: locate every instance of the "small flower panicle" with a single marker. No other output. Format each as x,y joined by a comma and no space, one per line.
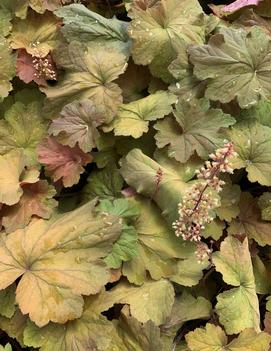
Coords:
44,67
202,252
157,180
194,210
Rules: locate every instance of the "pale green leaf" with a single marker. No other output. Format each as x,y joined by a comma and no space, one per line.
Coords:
186,170
7,68
213,338
252,142
141,172
214,229
195,128
190,271
105,183
133,118
158,247
236,64
237,308
22,128
151,301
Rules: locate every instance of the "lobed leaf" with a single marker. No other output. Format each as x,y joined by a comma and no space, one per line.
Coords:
237,308
58,261
236,64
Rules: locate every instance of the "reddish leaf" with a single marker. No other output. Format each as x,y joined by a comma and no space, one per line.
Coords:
26,70
267,322
62,162
30,68
239,4
37,199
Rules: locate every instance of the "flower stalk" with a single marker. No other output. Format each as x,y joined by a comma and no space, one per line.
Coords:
194,210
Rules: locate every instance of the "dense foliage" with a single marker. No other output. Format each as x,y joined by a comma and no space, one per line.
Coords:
135,175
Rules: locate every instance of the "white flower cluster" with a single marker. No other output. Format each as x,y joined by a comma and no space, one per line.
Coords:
44,68
194,210
202,252
42,64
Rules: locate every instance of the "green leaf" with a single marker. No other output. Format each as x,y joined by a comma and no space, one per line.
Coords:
7,298
250,222
196,127
186,171
133,118
83,25
229,199
90,72
262,275
236,64
213,338
141,172
119,207
252,142
260,112
187,86
37,34
154,30
125,248
237,308
105,183
214,229
5,20
190,271
59,260
264,203
22,128
14,326
186,308
6,348
158,247
7,68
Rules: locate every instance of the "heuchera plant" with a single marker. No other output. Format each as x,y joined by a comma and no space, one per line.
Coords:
135,175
